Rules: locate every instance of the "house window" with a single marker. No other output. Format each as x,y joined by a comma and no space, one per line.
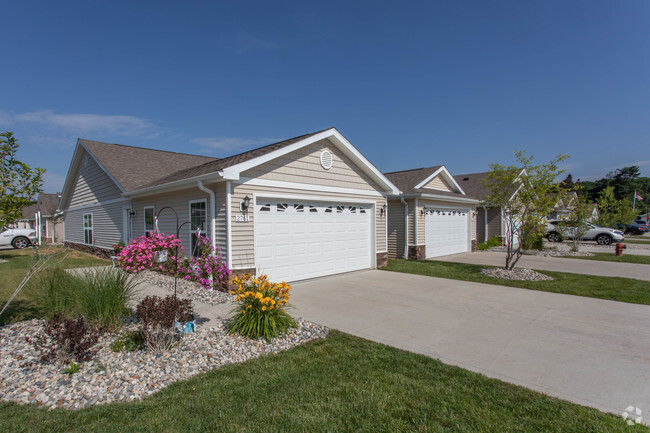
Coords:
88,228
199,219
149,213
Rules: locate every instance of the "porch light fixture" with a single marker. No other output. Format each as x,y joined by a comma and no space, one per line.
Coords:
382,211
245,203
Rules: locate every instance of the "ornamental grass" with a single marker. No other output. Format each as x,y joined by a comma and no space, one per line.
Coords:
262,308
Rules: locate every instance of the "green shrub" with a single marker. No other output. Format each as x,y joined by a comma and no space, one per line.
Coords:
129,341
261,310
494,241
100,295
534,243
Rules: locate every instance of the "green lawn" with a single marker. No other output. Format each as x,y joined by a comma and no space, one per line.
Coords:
611,257
23,306
341,384
617,289
644,241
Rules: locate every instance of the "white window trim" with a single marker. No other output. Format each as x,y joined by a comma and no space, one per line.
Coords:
85,229
144,218
189,209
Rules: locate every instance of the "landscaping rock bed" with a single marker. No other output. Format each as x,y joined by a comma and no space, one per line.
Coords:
518,274
559,253
125,376
186,288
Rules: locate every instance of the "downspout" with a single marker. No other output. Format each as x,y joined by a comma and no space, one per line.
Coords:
415,224
485,235
406,228
213,206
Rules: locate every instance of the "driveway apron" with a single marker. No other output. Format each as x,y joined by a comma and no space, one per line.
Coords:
589,351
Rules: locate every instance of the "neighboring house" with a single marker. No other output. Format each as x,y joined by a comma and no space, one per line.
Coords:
432,217
52,225
563,204
301,208
490,220
593,207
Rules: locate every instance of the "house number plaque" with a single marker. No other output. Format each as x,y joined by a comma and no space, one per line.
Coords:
242,218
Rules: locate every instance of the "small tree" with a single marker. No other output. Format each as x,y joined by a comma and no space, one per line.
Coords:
20,182
524,192
577,220
613,211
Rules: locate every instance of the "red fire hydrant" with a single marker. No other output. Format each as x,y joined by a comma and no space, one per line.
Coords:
619,248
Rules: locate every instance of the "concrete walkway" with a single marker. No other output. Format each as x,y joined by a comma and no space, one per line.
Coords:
558,264
589,351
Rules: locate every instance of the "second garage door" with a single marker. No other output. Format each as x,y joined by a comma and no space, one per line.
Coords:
296,240
445,231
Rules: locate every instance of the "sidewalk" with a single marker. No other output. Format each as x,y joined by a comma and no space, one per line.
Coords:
556,264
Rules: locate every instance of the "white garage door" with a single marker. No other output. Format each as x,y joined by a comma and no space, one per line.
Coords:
295,240
446,231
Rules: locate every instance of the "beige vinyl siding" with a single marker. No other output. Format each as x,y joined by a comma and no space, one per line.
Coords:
395,229
243,233
438,183
411,222
180,202
107,224
92,184
303,166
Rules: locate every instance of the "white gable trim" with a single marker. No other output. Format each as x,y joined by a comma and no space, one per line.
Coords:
72,172
448,177
233,172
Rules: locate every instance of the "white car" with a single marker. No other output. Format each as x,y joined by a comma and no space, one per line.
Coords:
602,235
17,238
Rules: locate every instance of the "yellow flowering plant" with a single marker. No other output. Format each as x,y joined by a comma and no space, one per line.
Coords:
261,309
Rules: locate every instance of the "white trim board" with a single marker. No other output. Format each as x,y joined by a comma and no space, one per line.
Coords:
442,170
311,198
305,186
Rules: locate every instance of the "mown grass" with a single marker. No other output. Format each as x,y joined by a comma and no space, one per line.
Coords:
24,306
611,257
639,240
340,384
611,288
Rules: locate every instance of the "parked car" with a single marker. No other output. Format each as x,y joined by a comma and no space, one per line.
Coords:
604,236
641,223
17,238
631,229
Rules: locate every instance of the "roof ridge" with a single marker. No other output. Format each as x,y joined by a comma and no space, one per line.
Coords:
147,148
413,169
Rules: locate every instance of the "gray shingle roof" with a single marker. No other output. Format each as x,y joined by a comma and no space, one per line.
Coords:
220,164
46,203
137,167
473,184
134,166
407,179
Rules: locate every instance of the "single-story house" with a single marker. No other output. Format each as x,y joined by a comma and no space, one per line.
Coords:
305,207
564,203
51,221
433,216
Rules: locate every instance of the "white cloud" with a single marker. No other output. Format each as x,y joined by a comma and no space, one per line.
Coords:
231,143
83,123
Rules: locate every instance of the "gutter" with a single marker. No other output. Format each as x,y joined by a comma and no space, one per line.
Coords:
213,206
440,197
406,228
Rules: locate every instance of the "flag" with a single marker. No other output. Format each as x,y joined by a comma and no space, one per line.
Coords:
638,197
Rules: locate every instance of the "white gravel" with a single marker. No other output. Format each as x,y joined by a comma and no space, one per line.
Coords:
125,376
519,274
185,288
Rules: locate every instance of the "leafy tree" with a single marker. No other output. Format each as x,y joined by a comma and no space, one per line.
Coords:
567,183
20,182
613,211
576,221
524,192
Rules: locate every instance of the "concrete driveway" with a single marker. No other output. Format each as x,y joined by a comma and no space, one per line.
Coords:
589,351
557,264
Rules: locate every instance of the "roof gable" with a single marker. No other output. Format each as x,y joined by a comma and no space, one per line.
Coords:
427,180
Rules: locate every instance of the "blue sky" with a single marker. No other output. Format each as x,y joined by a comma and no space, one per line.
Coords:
411,84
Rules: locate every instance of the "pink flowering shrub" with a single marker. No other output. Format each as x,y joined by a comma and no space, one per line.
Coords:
208,269
141,254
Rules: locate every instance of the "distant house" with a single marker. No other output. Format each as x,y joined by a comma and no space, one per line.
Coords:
301,208
565,203
52,225
433,216
490,220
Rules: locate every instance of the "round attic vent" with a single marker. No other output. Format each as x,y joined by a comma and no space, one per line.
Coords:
326,159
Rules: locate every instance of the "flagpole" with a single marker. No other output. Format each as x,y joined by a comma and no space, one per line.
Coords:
634,204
